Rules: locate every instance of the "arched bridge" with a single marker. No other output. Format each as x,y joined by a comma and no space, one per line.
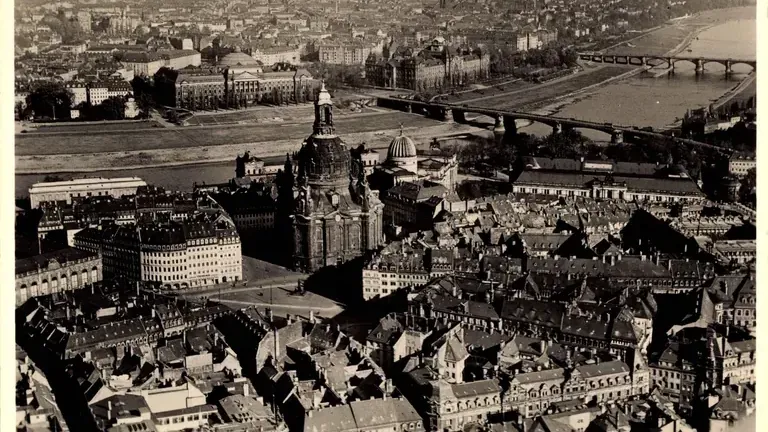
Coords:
643,60
505,121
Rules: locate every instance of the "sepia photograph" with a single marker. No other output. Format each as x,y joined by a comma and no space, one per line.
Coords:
383,216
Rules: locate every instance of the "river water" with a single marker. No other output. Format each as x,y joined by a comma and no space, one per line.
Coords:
641,101
657,102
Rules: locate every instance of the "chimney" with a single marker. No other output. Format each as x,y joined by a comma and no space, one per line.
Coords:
669,265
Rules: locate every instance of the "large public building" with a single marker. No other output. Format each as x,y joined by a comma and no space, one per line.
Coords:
336,217
627,181
438,65
66,191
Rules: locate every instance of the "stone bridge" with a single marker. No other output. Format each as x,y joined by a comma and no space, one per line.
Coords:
505,125
643,60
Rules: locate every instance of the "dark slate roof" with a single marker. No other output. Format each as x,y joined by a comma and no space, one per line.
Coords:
476,388
376,413
603,369
63,257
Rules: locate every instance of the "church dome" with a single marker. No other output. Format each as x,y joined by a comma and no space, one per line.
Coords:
238,58
325,159
401,147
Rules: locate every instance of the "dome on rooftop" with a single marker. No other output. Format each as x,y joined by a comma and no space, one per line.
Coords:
238,58
401,147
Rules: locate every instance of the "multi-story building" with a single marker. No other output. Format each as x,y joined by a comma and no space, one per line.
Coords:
190,88
739,164
343,53
413,204
252,209
532,393
697,358
436,66
738,251
84,19
607,180
269,56
143,63
197,88
56,272
386,274
64,191
179,59
200,251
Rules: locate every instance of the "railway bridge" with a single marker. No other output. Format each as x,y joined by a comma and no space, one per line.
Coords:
505,125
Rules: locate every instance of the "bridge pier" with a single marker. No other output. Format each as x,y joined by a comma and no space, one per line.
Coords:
447,115
459,116
510,128
408,108
498,129
699,66
557,128
617,137
728,67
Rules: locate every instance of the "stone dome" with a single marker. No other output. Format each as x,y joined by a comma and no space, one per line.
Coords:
238,58
325,160
401,147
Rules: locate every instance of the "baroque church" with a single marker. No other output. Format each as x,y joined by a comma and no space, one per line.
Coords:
335,215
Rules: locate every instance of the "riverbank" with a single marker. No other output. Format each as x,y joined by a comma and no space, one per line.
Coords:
263,146
696,25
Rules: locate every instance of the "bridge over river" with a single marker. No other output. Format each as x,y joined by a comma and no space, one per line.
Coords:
646,60
505,121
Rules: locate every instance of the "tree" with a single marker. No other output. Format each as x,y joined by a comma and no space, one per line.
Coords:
50,99
113,108
144,102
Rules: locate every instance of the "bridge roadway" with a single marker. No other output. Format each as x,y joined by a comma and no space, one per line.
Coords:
643,59
505,121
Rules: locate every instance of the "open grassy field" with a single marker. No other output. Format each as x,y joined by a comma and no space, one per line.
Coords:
105,126
168,138
540,93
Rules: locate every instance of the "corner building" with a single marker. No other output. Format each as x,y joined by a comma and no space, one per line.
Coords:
336,217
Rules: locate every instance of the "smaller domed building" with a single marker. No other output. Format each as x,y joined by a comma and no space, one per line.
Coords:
405,164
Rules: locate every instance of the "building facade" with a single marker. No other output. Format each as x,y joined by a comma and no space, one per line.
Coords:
336,217
436,66
55,272
66,190
173,255
607,180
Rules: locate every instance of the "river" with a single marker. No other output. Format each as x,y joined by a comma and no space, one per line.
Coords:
641,100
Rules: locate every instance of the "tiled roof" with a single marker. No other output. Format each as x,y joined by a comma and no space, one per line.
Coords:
603,369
